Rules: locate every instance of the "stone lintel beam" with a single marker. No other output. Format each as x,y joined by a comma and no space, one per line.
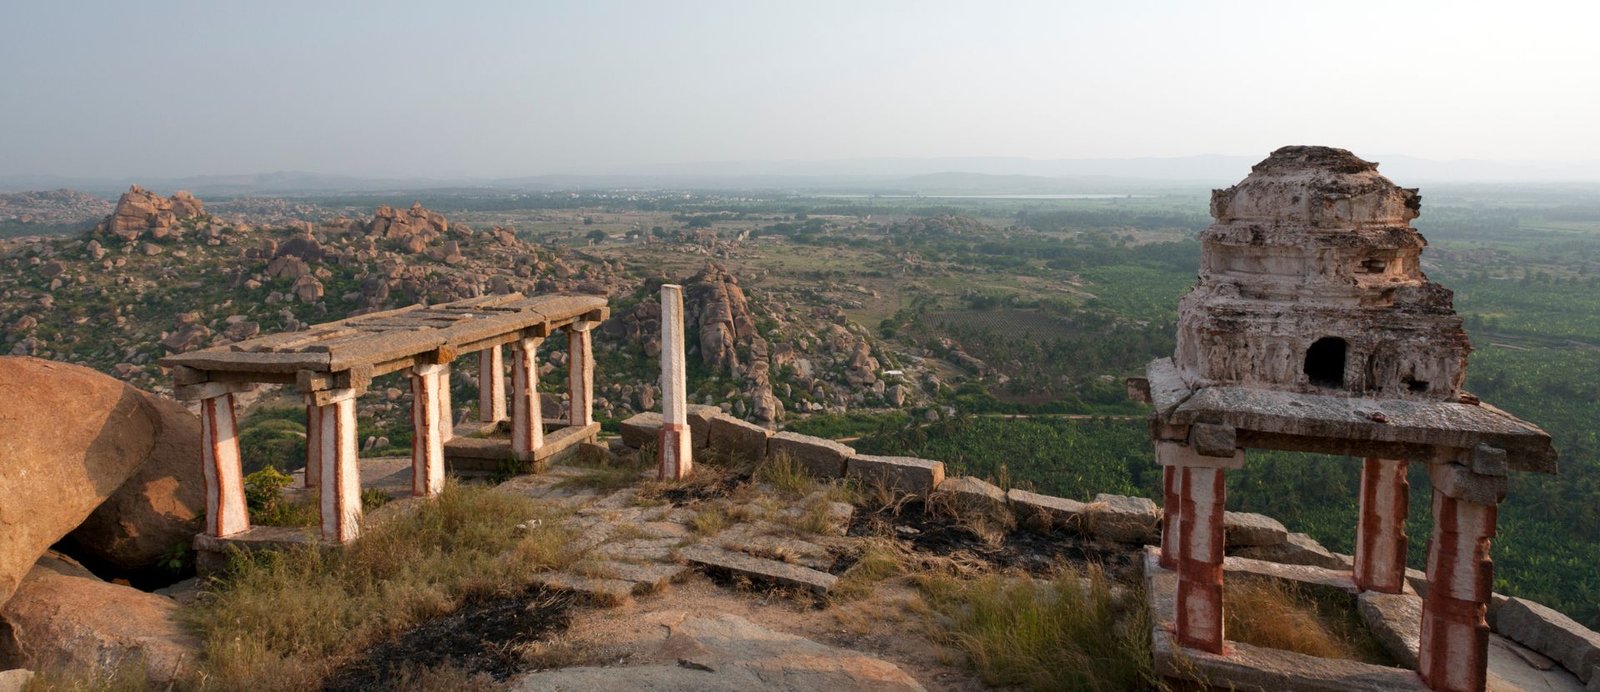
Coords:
1214,439
1175,454
210,390
357,378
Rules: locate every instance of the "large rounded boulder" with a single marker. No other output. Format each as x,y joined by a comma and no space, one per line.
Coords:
70,438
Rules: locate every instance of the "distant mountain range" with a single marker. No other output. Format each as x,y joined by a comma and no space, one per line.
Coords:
911,176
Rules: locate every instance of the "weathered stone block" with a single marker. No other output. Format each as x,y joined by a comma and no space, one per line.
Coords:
1552,634
1245,529
738,439
821,458
898,474
1297,549
641,429
1124,519
700,417
978,504
760,569
1045,512
1395,619
1214,440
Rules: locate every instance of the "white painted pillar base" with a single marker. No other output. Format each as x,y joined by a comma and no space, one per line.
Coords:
675,458
491,386
226,512
427,429
340,478
527,421
1380,560
1454,652
580,374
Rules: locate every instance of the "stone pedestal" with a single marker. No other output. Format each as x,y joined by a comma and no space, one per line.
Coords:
580,374
1454,654
340,480
491,386
674,455
1380,560
527,421
226,513
428,413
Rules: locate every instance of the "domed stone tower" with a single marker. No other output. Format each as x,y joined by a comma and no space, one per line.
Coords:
1311,281
1313,329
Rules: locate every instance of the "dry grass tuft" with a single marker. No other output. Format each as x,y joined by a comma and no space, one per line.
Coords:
710,521
1282,615
880,559
1072,631
284,620
786,476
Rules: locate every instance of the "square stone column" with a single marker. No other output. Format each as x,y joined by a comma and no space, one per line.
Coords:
340,479
1380,563
580,374
226,512
1200,550
1171,510
491,386
447,417
1454,653
527,421
674,455
428,399
313,470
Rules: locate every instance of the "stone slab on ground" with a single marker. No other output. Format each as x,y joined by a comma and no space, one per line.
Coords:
598,590
640,429
965,494
1548,632
1246,529
1124,519
647,578
1395,619
700,417
727,653
1047,512
1297,549
760,569
637,549
904,475
820,457
15,680
768,541
738,439
1516,668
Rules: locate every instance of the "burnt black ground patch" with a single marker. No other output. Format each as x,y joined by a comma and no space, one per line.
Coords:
479,637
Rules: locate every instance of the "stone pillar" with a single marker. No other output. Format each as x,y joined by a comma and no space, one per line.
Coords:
313,470
1380,563
226,513
527,421
428,402
580,374
340,479
1454,653
674,455
1200,533
1171,510
491,386
447,414
1200,542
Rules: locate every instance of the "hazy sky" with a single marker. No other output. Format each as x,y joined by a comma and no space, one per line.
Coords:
154,88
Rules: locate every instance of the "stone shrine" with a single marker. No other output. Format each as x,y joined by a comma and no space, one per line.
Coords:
1312,328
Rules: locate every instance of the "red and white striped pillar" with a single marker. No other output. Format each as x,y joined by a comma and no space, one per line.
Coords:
1200,554
527,421
427,429
1380,563
1454,654
674,455
226,512
1171,513
340,479
580,374
491,386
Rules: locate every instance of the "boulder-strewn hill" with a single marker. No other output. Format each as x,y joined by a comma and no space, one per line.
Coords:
53,211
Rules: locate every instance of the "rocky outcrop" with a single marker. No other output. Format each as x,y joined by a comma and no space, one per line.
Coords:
411,230
64,618
74,437
143,214
161,506
717,305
